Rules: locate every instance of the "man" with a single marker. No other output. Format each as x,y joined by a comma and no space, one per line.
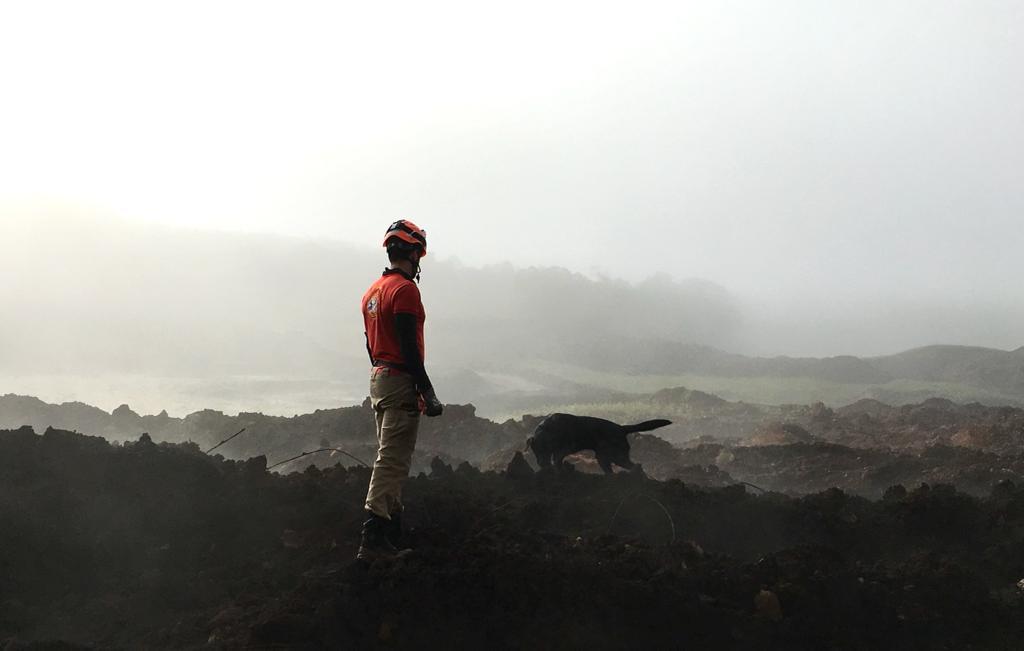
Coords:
399,387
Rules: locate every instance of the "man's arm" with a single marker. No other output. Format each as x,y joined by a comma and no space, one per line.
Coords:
405,324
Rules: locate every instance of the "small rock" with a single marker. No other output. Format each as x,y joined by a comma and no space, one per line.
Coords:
518,467
694,548
438,468
767,606
291,539
228,616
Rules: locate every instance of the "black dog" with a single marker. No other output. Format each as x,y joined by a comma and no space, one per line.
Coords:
559,435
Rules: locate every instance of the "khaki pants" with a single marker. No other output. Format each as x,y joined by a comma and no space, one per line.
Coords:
396,409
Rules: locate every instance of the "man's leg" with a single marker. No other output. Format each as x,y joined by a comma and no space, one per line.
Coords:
396,409
399,417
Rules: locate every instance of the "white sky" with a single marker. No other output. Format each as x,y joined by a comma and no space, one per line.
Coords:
779,148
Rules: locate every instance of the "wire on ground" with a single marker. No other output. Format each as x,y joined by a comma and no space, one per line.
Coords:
225,440
306,454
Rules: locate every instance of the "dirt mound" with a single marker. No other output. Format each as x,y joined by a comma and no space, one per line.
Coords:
800,468
160,546
781,434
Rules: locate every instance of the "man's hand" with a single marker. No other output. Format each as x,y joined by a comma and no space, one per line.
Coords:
432,406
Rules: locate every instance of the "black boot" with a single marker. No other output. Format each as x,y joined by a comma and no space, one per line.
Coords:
375,543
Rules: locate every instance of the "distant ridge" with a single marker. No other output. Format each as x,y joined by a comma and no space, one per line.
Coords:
989,369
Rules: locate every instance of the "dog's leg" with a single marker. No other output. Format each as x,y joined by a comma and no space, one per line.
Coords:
543,459
540,452
558,458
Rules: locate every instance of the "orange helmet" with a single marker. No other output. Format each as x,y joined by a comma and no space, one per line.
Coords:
409,233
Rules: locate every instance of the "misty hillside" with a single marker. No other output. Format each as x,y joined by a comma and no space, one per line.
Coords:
105,312
130,298
997,375
982,367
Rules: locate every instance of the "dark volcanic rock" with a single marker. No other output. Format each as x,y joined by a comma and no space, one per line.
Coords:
518,468
160,546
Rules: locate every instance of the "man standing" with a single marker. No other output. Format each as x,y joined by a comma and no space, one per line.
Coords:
399,387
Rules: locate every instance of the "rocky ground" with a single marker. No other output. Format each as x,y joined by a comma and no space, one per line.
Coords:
145,545
862,448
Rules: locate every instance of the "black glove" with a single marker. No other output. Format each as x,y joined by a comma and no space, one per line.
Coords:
432,406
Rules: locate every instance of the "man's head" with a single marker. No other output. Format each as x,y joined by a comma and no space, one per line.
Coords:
404,252
405,240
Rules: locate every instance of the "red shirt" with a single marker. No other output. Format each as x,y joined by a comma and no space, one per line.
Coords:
392,294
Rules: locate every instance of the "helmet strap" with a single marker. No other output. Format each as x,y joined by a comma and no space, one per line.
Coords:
415,268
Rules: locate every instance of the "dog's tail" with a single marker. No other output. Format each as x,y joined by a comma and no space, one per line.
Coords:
646,426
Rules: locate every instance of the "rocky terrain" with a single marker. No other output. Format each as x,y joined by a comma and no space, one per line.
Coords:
863,448
457,436
749,526
146,545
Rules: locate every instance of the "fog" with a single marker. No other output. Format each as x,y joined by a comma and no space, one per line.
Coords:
872,149
107,312
791,178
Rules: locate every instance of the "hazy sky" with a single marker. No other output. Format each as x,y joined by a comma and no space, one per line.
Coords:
779,148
